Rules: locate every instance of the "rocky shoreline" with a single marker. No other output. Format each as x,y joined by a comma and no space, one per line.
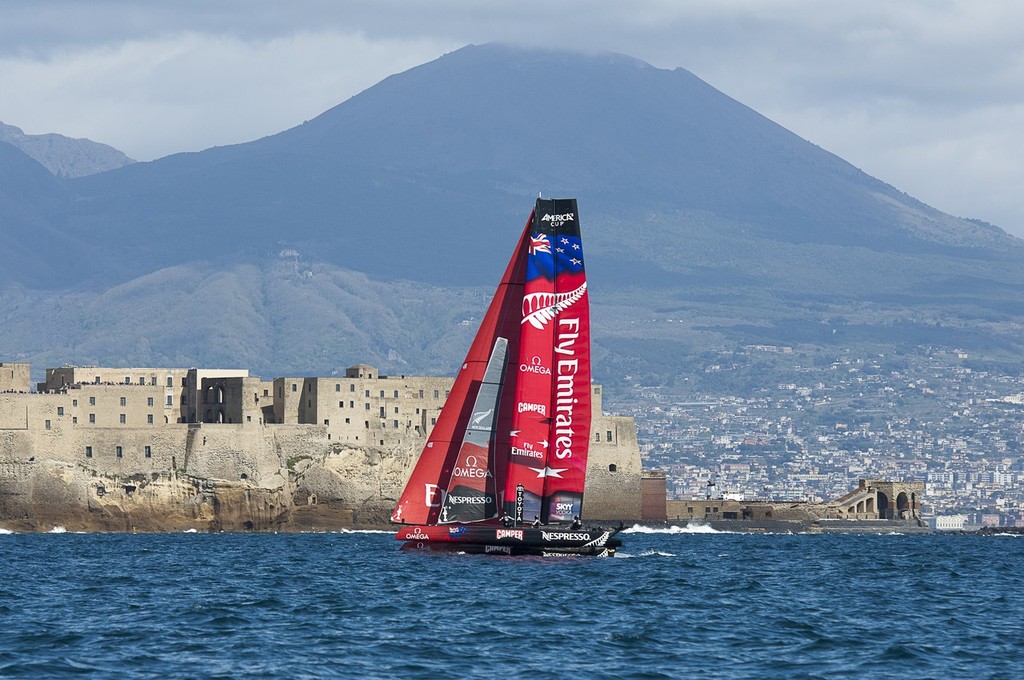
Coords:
39,497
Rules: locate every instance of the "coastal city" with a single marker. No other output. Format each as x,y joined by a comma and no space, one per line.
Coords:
767,423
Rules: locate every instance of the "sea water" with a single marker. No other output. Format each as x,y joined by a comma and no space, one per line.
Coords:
681,603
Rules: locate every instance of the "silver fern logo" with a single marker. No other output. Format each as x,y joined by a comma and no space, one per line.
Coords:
540,308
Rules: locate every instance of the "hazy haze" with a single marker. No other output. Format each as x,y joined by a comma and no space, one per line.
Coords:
928,96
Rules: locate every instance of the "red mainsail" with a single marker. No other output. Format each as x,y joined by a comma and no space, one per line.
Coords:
513,435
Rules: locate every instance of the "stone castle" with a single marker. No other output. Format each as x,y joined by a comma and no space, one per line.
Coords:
876,505
167,449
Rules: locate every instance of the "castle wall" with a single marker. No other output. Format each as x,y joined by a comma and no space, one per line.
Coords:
120,405
728,509
14,413
30,426
653,497
165,386
14,377
896,499
376,411
38,427
288,393
257,455
117,454
231,400
872,500
613,487
193,397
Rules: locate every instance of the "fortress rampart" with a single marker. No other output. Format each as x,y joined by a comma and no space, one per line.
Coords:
866,508
14,377
151,449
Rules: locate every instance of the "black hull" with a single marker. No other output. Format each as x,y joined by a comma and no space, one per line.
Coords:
509,550
492,540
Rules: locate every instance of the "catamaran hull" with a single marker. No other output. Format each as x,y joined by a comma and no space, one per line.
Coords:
506,550
489,540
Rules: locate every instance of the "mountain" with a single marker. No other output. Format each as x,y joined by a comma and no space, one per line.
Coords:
63,156
707,226
455,144
32,202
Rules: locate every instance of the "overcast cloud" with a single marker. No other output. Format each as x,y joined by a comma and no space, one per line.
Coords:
924,94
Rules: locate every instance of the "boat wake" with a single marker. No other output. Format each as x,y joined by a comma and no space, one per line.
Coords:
645,553
57,530
5,531
674,529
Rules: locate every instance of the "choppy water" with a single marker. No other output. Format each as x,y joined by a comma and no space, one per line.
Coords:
670,605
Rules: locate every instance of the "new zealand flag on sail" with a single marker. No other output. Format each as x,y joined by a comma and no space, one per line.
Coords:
548,251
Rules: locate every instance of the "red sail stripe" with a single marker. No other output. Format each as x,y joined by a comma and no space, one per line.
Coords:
528,455
571,406
571,392
420,502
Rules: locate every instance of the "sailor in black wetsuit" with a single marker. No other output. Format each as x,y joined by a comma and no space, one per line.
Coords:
576,524
507,520
536,522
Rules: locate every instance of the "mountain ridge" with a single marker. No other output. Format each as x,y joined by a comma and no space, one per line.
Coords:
415,133
695,209
64,156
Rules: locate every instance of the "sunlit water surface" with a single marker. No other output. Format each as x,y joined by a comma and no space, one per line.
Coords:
680,603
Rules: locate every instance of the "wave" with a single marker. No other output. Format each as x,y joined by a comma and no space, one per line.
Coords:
5,531
690,528
57,530
644,553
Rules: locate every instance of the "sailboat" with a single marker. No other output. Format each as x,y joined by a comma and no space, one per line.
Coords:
504,467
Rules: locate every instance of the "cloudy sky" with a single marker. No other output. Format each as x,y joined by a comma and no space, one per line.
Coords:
927,95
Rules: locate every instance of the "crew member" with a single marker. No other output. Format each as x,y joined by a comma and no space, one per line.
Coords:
576,523
536,522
